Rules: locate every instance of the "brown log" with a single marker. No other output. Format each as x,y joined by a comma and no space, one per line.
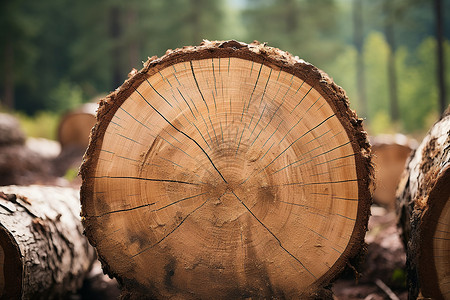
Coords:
424,210
43,253
19,163
390,153
225,171
75,126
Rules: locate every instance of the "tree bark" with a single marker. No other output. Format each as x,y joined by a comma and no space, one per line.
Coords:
424,214
43,253
224,171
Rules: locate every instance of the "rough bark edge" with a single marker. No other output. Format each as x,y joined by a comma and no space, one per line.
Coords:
39,267
276,59
414,205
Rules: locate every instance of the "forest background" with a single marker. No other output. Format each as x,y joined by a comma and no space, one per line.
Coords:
58,54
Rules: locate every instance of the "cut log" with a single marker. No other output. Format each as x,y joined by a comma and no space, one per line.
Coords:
390,153
424,209
226,171
43,253
10,131
75,126
19,164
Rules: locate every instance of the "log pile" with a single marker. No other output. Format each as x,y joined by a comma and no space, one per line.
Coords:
226,170
18,163
43,253
424,209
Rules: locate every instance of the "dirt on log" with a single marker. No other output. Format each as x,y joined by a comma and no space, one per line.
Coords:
225,171
43,253
424,214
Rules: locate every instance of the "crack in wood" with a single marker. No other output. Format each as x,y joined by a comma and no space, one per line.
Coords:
198,145
176,227
121,210
178,201
325,120
271,233
316,209
145,179
198,87
312,158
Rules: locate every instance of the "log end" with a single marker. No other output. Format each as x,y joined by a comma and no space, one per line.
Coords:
227,167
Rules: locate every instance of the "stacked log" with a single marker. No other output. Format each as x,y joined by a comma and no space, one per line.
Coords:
43,253
424,210
18,163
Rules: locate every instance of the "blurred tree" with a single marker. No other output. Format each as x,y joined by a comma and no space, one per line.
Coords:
418,93
56,53
302,27
17,54
375,57
183,22
439,12
389,22
358,41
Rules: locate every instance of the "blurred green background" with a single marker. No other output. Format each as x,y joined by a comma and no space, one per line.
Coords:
57,54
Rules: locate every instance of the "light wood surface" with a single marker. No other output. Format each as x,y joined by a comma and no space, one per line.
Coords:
223,175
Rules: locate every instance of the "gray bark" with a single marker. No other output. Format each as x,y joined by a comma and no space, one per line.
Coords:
44,254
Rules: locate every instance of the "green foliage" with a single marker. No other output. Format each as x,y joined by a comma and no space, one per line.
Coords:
71,174
59,53
64,97
375,57
43,124
343,72
399,277
417,86
297,26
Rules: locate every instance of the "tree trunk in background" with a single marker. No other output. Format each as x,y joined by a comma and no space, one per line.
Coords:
439,11
43,253
195,21
8,100
133,43
391,66
424,214
116,59
360,70
227,171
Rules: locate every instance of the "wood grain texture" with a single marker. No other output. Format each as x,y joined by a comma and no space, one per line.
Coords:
43,253
424,211
226,170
